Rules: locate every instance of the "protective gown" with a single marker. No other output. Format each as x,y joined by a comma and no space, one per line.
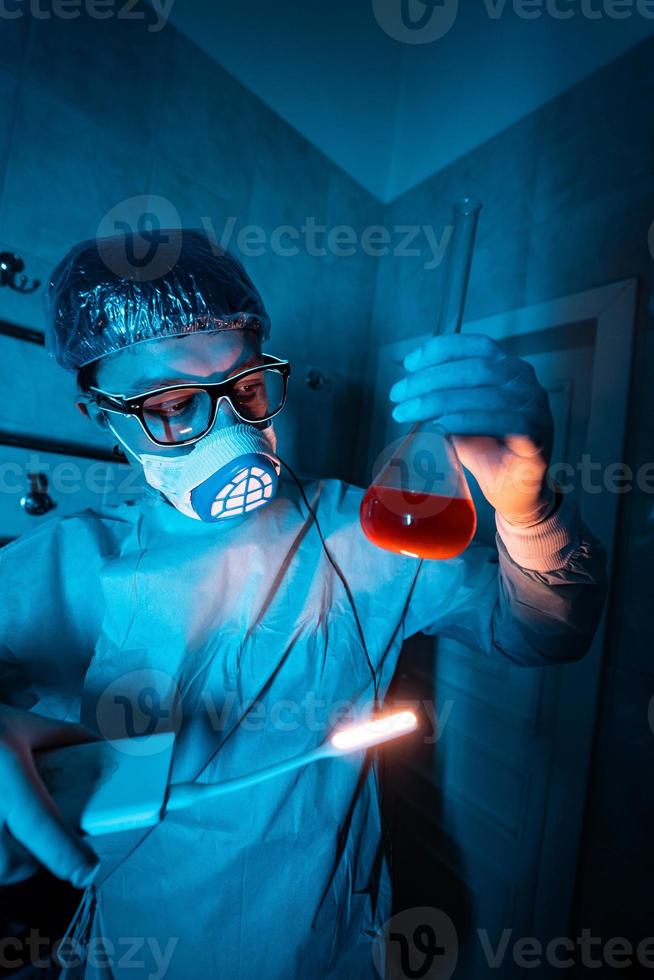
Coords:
247,641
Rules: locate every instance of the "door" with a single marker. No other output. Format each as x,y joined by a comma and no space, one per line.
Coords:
485,822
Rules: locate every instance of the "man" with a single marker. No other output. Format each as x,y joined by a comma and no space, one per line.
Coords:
242,610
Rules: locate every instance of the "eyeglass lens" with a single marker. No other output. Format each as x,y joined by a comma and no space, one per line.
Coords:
180,414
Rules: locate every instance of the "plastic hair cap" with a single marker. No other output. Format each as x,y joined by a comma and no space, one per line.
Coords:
110,293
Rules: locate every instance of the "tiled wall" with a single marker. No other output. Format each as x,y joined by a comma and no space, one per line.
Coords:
94,112
568,202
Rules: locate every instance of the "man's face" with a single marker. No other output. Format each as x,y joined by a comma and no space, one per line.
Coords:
205,357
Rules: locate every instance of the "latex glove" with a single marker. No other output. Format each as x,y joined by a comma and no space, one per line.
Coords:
496,412
32,831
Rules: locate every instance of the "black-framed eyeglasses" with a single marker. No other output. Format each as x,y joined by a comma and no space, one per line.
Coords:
176,415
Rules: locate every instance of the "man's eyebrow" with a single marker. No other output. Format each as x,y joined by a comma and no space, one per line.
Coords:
146,383
151,384
255,361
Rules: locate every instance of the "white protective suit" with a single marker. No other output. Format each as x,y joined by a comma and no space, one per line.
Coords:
247,618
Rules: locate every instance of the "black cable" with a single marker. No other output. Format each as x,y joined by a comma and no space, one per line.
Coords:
340,574
387,837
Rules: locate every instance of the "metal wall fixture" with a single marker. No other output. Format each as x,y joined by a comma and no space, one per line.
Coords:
317,381
11,266
37,501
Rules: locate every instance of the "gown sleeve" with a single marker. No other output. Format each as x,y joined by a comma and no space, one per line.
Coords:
531,616
50,613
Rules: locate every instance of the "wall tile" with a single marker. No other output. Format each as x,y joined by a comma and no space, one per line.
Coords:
290,186
500,172
499,274
339,334
500,175
208,125
386,300
597,241
14,36
315,432
8,97
37,392
112,70
409,286
64,175
196,205
593,138
327,445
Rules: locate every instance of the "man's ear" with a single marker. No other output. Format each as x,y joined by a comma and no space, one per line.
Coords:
90,410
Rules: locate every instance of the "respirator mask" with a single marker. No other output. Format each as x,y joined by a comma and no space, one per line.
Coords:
231,468
230,472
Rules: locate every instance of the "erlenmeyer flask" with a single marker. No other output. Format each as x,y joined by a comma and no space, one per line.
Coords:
419,503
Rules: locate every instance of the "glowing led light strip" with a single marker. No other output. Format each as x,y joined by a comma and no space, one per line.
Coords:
373,732
346,740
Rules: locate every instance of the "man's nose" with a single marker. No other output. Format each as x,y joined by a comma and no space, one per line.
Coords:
225,416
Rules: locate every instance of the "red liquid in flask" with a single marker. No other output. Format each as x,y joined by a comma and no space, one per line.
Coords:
424,525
